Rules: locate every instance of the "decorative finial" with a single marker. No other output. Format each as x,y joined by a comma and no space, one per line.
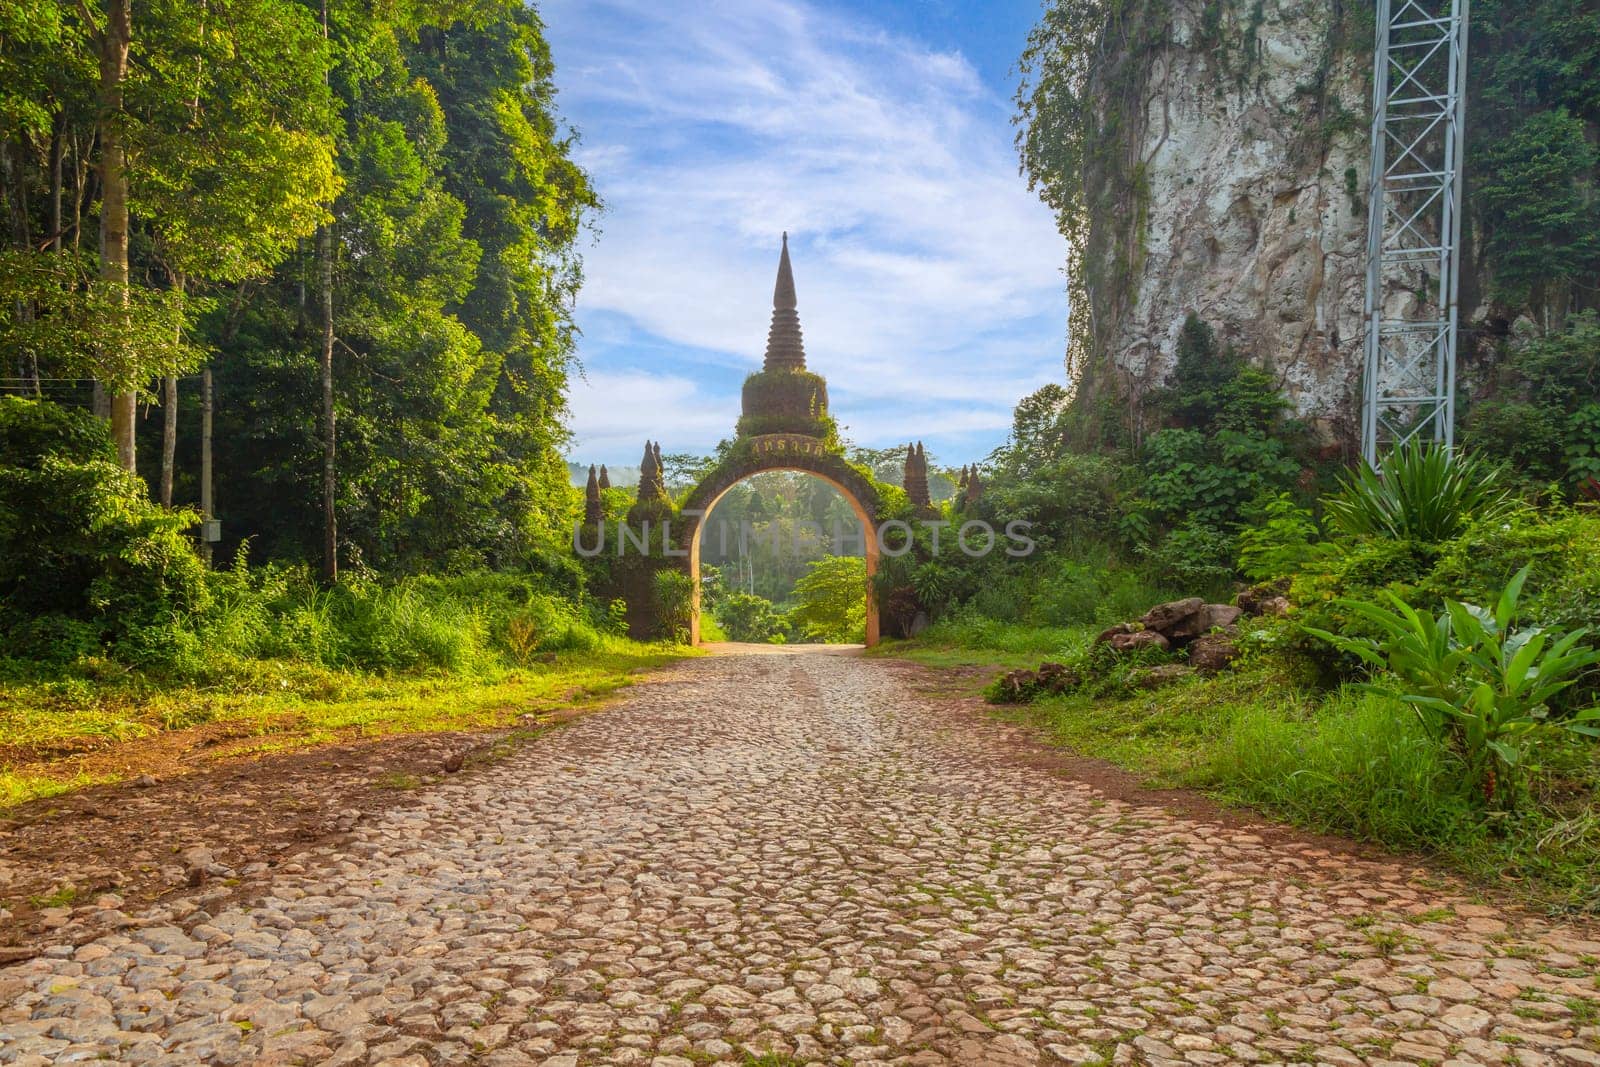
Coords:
785,347
916,478
593,511
605,479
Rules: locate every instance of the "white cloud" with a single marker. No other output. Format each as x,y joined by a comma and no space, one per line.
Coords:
929,277
614,412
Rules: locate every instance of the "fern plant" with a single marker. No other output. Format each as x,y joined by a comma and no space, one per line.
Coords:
1474,679
1420,491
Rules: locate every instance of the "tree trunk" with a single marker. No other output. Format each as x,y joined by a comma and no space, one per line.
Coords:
330,523
206,502
13,189
113,42
169,416
57,151
169,435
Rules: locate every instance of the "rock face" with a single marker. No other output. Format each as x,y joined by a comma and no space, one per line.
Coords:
1252,158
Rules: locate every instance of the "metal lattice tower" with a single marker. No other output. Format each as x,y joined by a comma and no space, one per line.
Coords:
1414,223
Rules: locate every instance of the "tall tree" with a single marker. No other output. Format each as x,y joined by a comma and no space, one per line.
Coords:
112,40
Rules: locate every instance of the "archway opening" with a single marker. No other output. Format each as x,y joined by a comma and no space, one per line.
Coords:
808,528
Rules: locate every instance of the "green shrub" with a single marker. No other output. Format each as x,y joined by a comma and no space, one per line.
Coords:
831,600
80,541
1281,541
1559,545
1196,556
1474,679
1420,491
674,602
747,617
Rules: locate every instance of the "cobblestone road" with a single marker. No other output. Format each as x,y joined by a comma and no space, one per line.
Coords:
795,857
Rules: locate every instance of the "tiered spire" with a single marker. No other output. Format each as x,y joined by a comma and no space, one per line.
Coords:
974,485
605,479
650,486
785,348
593,511
961,483
916,477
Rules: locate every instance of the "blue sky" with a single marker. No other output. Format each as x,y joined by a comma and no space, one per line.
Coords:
929,278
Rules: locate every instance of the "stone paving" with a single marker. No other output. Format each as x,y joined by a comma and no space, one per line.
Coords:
795,859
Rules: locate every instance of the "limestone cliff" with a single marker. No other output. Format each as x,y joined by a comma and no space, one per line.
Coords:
1244,157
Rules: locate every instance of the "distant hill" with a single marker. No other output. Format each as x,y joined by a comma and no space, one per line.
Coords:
579,474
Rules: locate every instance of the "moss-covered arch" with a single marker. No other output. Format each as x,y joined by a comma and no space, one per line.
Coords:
783,452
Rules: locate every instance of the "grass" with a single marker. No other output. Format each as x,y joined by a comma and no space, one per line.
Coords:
60,735
1345,762
974,641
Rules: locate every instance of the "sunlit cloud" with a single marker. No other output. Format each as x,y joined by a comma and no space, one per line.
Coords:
929,278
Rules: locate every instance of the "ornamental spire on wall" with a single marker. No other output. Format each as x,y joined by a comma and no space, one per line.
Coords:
593,510
785,349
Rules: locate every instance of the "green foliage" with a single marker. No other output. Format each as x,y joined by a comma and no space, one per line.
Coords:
1196,556
1539,208
1475,679
1542,411
1212,478
1360,765
1229,446
672,592
1420,491
783,401
831,600
86,561
747,617
1282,541
1532,172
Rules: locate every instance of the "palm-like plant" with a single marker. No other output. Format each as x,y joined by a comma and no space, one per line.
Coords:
1473,678
1420,491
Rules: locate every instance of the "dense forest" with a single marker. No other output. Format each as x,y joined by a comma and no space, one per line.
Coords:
332,246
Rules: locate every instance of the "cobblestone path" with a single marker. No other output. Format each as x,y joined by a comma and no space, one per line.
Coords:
793,858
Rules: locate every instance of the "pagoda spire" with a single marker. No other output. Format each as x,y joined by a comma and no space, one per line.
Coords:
593,510
785,348
916,476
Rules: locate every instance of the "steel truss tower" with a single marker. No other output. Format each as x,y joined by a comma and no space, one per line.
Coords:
1414,223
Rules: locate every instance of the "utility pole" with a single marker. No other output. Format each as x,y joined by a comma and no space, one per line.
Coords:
1419,95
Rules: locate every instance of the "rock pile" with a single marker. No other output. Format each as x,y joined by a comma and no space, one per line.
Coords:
1205,632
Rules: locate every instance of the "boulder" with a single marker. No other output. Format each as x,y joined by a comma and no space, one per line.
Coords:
1275,605
1263,600
1057,677
1221,616
1209,617
1212,652
1112,631
1132,642
1156,677
1173,614
1016,687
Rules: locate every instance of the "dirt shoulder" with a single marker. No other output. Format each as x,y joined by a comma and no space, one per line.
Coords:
209,818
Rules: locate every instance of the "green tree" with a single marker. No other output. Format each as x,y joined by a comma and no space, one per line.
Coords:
831,601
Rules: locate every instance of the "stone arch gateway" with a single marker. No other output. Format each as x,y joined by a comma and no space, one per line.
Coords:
783,426
785,452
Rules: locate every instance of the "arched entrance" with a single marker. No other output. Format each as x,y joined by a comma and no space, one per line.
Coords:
784,426
783,452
